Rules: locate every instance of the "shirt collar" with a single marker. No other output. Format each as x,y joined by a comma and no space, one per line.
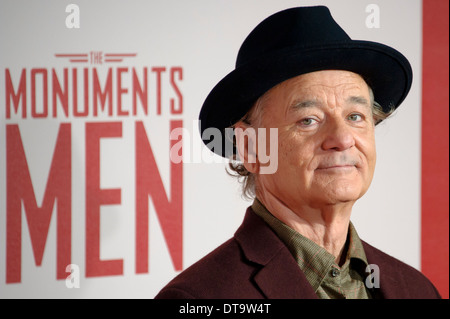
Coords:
313,260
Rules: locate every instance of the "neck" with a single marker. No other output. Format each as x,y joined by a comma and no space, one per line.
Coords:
326,225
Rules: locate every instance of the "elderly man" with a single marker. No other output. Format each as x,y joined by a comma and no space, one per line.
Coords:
300,73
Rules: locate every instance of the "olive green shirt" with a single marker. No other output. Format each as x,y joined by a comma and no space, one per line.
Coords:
328,280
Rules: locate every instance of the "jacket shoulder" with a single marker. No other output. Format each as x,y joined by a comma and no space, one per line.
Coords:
398,280
222,273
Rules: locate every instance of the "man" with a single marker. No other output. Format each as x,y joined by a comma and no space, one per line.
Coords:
300,73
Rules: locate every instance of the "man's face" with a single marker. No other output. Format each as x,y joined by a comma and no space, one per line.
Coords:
326,151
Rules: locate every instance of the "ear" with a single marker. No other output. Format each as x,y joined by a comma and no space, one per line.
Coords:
246,145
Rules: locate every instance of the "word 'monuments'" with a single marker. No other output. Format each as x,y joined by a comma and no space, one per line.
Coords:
81,93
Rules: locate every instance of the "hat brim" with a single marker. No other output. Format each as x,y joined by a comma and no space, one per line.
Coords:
385,70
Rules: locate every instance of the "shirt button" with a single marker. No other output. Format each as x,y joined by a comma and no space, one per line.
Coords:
335,272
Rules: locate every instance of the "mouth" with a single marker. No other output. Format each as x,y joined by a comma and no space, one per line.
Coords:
336,168
342,163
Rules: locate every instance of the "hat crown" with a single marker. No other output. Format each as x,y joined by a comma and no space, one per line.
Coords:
295,27
290,43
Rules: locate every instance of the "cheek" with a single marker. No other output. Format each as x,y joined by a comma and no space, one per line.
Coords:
370,153
295,157
368,156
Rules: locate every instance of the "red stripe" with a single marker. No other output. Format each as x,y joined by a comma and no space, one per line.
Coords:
78,60
120,54
435,144
70,55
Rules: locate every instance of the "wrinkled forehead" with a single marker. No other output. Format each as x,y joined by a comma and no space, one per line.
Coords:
319,83
315,88
307,89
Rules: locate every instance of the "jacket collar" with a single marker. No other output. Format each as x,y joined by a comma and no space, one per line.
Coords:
278,275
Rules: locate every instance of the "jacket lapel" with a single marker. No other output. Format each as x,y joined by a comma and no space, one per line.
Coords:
281,278
278,275
390,277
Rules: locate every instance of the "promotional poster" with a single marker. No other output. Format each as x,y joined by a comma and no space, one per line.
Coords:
106,188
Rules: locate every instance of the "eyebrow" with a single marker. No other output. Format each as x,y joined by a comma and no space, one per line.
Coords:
299,104
357,100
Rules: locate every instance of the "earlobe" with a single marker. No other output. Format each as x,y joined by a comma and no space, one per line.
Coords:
246,146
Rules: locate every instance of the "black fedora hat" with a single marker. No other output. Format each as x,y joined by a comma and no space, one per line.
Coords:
294,42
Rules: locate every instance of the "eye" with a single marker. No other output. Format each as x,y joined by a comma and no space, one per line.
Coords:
355,117
308,121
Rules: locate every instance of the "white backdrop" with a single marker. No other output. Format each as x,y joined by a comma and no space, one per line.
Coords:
197,43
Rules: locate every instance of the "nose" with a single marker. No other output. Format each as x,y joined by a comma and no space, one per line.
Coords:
338,136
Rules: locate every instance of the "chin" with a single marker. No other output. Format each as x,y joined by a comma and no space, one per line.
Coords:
341,195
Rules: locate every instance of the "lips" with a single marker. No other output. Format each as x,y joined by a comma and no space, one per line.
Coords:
337,166
338,163
336,169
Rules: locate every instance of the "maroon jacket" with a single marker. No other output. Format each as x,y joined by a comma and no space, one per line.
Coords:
256,264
